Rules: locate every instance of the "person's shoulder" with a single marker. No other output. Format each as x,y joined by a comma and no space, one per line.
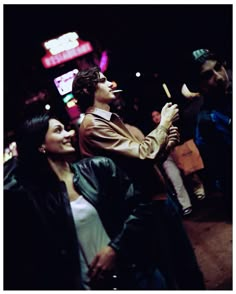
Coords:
95,161
88,119
97,167
92,120
12,182
87,126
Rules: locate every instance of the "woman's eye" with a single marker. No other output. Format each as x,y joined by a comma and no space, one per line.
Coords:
58,130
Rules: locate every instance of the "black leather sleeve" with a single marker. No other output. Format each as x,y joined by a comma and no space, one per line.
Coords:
135,215
125,215
133,239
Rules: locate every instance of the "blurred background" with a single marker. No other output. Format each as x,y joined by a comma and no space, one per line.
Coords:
139,47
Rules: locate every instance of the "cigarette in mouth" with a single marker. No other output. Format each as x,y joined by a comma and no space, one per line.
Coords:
117,91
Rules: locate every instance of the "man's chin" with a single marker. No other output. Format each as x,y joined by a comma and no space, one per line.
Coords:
219,91
112,99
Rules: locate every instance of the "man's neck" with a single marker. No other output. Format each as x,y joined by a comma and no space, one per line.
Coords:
103,106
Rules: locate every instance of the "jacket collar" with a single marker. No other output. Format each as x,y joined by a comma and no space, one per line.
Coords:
100,112
75,169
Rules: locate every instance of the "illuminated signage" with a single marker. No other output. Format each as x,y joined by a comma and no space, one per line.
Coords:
67,98
64,82
71,103
65,42
64,48
104,61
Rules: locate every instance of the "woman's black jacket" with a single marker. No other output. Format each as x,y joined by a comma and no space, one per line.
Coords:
41,250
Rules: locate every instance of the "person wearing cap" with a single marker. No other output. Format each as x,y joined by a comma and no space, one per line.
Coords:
214,123
104,133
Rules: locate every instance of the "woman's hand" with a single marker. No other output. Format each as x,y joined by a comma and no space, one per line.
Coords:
103,263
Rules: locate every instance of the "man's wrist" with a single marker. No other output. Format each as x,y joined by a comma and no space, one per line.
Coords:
163,128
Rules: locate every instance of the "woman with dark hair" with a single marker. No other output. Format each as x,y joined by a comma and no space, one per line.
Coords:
71,226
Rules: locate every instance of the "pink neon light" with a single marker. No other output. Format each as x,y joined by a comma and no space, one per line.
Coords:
52,60
73,111
104,61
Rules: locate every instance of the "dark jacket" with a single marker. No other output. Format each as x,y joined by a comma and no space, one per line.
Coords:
40,244
214,139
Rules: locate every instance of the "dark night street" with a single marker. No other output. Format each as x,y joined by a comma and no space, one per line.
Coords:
211,236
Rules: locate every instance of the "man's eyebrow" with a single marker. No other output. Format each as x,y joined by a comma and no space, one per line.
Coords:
103,78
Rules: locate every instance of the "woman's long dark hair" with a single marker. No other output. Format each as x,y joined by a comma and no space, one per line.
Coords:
33,164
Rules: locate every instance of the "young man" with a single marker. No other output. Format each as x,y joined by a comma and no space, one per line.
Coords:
214,125
103,133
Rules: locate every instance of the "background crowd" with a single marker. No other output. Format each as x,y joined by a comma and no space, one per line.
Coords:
98,202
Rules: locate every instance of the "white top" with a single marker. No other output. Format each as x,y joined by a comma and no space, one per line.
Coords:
90,232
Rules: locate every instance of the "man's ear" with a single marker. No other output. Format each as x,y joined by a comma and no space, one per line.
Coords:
85,90
42,149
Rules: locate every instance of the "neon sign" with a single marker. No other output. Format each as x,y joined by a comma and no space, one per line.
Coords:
64,48
63,43
104,61
64,82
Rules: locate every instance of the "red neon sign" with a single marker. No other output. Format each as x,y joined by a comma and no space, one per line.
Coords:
50,60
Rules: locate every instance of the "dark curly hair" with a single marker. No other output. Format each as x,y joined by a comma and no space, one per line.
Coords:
84,86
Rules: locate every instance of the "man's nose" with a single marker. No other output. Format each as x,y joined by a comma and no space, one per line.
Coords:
111,85
218,76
